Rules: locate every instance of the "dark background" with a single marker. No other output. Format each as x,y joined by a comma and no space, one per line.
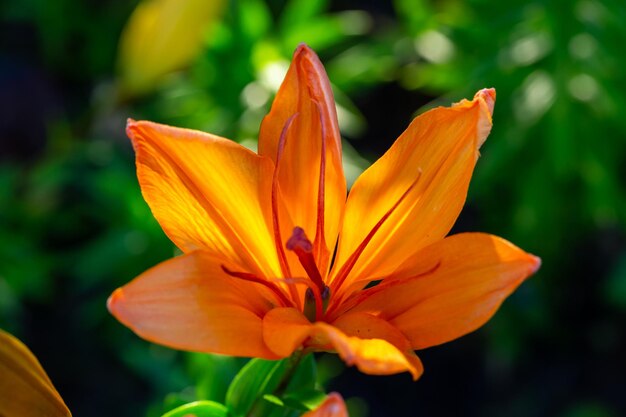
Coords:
552,179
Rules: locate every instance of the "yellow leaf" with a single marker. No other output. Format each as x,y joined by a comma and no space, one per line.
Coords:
162,36
25,389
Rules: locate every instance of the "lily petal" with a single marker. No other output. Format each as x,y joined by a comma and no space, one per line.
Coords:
25,389
285,329
309,170
374,345
370,343
333,406
190,303
207,193
459,284
418,188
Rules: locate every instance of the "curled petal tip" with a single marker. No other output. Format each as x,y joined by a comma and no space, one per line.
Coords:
113,301
487,99
489,96
536,263
302,48
131,125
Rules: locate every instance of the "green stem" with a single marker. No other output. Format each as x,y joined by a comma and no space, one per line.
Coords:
261,407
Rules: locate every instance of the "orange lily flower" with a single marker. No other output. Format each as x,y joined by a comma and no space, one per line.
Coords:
277,259
25,389
333,406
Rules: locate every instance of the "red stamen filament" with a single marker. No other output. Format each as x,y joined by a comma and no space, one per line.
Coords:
362,295
319,232
270,285
349,264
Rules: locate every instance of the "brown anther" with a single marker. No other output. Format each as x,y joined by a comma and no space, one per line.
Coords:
315,303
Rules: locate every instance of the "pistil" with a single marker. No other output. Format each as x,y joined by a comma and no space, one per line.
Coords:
317,295
303,248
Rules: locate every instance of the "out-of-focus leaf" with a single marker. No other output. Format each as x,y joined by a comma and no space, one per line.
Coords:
361,66
304,376
300,12
304,400
328,367
162,36
254,18
417,14
25,389
615,287
589,410
213,374
325,31
199,409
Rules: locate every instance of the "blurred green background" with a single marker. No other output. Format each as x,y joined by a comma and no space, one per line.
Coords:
552,179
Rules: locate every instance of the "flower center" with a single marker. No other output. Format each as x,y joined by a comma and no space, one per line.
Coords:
317,295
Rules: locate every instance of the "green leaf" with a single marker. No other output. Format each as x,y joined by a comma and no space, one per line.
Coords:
274,400
257,378
304,377
213,374
304,400
300,12
415,14
199,409
255,18
300,394
615,286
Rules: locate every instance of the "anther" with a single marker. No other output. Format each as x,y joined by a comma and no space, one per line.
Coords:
315,303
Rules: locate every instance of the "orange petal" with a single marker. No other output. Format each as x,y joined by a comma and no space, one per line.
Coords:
25,389
420,183
333,406
374,345
207,193
370,343
302,166
285,330
189,303
470,276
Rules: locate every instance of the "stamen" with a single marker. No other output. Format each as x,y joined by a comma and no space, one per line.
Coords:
367,292
349,264
312,304
320,242
253,278
303,248
315,303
